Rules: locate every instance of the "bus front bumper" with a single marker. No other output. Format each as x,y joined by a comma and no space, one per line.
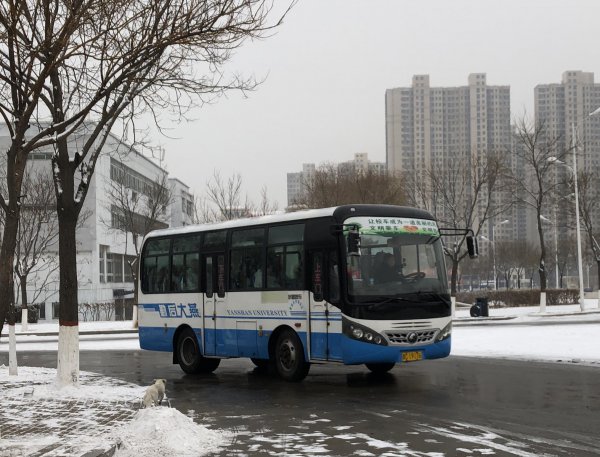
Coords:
357,352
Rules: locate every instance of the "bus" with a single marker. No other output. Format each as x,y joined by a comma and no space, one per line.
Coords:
354,284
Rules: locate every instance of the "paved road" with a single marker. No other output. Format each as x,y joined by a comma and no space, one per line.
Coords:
456,406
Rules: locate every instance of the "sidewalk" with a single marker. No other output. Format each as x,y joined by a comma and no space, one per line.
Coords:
38,420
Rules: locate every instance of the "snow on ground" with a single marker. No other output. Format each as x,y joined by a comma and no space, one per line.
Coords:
562,334
152,432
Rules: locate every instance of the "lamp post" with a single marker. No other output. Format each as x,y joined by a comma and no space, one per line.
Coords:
505,221
574,171
545,219
577,225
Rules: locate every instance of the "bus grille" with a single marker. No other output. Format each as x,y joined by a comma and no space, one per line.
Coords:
422,336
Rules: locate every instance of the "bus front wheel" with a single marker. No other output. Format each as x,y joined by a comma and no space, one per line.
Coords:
188,354
380,368
289,357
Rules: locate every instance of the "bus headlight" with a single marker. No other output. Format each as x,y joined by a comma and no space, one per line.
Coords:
362,333
445,333
357,333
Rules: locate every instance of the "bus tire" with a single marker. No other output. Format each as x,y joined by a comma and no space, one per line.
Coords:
188,353
380,368
289,357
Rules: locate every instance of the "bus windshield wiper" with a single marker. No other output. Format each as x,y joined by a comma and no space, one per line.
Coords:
392,299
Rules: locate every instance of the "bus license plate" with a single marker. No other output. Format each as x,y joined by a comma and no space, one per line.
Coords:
412,356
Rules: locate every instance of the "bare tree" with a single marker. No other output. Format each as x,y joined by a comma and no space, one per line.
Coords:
136,213
266,205
34,40
537,186
38,230
567,257
224,199
111,61
463,194
588,185
333,185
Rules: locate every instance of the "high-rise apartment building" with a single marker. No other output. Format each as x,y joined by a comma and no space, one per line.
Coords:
428,126
564,110
434,127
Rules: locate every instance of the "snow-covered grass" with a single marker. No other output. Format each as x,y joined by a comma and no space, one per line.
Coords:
52,326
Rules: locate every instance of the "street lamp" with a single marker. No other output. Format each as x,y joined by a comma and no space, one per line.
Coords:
577,225
493,240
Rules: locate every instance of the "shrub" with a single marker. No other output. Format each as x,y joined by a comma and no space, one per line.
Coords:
520,297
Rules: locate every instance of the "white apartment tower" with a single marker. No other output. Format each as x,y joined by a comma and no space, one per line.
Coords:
433,127
426,126
562,106
564,109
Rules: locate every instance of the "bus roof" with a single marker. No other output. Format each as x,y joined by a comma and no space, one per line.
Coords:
376,210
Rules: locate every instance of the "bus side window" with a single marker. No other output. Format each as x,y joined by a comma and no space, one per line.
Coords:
317,276
221,276
209,277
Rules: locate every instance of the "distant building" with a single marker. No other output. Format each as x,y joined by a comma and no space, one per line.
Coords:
564,110
297,181
434,127
103,250
428,126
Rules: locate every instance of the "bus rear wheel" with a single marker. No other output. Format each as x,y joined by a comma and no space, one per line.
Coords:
188,354
289,357
380,368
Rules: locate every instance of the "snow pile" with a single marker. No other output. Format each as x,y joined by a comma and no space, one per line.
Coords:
159,432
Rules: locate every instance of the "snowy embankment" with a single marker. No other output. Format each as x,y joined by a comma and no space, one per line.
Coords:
562,334
99,413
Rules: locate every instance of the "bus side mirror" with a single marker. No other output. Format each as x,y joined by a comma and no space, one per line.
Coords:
472,247
353,243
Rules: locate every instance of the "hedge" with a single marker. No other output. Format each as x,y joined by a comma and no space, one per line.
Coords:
521,297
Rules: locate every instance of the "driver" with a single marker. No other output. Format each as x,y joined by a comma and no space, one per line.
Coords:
385,270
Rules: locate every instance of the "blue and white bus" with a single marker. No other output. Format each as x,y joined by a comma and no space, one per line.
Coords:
354,284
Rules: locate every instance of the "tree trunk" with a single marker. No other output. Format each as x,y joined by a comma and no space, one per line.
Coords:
7,258
598,267
454,277
68,336
24,302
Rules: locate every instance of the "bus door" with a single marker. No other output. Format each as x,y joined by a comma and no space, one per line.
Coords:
319,308
214,299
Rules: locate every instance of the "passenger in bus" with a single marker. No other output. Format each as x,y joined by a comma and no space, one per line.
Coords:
163,280
272,278
192,275
257,283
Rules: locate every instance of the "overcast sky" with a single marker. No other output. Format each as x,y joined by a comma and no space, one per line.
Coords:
328,66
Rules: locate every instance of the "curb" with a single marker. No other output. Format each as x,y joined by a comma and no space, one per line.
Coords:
85,332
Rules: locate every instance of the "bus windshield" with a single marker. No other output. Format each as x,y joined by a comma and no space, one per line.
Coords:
398,257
